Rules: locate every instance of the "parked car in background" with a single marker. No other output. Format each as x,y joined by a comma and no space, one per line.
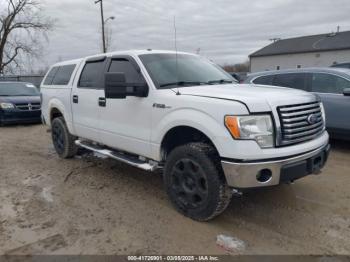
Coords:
235,76
239,76
342,65
19,103
331,84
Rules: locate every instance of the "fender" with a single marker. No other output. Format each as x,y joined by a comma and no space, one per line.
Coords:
56,103
190,117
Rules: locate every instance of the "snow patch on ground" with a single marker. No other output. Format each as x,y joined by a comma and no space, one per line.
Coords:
231,244
46,194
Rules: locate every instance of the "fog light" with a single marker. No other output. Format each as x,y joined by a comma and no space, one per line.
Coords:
264,175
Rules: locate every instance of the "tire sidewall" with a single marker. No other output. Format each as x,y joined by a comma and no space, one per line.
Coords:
59,122
211,173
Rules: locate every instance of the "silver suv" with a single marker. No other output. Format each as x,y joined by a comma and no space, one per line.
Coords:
332,85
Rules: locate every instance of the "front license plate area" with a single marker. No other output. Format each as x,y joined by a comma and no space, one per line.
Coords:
316,163
294,171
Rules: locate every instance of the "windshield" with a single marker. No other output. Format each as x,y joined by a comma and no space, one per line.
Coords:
18,89
167,71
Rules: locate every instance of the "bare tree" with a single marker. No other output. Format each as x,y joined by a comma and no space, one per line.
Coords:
21,27
241,67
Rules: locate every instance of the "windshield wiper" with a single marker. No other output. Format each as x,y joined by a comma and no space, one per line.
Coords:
220,81
183,83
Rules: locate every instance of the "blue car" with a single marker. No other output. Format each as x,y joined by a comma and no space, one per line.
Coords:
19,103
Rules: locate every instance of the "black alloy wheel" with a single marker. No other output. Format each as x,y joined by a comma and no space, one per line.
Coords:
195,182
189,183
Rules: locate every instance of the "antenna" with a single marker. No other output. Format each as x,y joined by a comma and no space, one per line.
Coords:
175,39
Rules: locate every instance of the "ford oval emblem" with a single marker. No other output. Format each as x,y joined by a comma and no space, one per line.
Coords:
312,119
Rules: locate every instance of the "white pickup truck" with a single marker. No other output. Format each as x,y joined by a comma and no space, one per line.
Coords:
183,115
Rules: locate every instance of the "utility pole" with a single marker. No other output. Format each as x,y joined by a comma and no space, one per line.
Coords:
103,25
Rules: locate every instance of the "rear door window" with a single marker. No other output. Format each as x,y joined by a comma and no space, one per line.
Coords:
50,76
92,75
292,80
264,80
63,75
327,83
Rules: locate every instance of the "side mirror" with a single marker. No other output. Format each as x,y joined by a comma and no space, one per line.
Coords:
346,92
116,87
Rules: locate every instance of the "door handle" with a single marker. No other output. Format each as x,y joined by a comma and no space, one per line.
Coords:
75,99
102,101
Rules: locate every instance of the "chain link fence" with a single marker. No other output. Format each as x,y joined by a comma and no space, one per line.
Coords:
34,79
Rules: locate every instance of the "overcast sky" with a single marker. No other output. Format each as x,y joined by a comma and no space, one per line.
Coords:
226,31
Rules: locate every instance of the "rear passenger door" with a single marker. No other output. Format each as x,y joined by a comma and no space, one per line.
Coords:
337,106
85,98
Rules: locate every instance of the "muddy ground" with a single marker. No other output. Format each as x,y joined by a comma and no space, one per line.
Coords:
90,205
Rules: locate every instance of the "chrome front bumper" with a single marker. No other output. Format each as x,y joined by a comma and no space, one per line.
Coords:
269,173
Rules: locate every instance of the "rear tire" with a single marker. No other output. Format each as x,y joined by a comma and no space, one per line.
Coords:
195,182
63,141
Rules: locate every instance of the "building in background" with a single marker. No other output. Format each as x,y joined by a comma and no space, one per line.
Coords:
308,51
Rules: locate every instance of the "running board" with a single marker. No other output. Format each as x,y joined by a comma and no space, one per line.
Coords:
133,161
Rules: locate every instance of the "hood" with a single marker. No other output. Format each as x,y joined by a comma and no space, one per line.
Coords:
258,98
20,99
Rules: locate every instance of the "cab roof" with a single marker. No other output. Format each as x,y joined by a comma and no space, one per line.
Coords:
126,52
138,52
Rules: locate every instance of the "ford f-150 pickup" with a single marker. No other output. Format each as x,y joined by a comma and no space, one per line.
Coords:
181,114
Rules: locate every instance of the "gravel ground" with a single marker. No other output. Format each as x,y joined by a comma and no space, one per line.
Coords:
90,205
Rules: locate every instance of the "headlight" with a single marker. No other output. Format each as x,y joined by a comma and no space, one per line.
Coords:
323,113
6,105
253,127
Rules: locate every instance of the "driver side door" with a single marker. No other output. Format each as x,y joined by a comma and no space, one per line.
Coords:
125,124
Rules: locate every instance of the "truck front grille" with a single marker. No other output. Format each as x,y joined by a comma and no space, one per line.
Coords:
28,106
300,122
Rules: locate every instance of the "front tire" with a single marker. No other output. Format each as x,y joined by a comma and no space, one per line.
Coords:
63,141
195,182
